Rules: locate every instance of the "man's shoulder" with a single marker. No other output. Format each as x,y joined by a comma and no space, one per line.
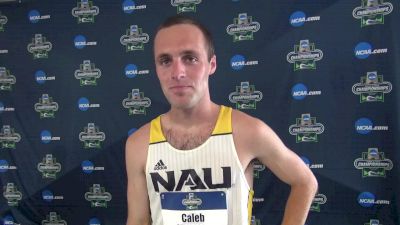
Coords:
247,127
140,137
243,120
136,148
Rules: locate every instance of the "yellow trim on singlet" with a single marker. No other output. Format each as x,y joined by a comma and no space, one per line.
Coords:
156,134
223,125
250,205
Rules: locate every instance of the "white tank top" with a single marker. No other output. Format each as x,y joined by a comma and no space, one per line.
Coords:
202,186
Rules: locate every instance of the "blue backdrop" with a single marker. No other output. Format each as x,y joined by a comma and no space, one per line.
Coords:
77,77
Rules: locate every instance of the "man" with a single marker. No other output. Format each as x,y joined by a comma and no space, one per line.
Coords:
192,165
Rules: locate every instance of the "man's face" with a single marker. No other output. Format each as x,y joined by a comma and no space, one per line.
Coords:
182,65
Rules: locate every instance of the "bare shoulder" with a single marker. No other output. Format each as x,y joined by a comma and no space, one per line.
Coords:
139,136
253,136
247,126
136,147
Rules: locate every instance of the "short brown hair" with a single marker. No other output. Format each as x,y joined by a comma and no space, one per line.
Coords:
179,19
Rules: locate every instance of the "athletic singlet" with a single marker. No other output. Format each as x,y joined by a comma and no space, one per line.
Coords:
202,186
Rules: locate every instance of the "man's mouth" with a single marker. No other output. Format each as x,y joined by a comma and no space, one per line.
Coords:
179,87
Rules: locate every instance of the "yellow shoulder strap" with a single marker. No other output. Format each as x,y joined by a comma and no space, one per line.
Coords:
224,122
250,205
156,134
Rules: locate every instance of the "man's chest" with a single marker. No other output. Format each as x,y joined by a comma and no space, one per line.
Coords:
188,139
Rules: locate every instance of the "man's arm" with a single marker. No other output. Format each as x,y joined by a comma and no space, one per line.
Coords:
255,139
136,156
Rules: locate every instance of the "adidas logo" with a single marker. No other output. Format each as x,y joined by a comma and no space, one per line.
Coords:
160,166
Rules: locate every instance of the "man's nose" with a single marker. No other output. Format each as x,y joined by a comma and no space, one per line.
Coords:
178,70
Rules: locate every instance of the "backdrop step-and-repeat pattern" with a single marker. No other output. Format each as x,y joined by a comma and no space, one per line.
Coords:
77,78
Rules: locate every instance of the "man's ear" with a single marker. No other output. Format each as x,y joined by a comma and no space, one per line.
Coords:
213,64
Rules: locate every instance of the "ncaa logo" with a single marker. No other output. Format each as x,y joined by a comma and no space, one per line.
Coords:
34,16
131,70
299,91
366,199
45,136
128,6
40,77
363,50
47,196
87,166
237,62
83,104
80,41
364,126
297,19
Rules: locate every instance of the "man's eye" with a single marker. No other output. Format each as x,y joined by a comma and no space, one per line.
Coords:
190,59
164,61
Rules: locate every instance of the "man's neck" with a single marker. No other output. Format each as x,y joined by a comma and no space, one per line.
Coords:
189,117
187,129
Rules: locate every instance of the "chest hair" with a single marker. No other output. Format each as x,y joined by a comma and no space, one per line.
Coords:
186,140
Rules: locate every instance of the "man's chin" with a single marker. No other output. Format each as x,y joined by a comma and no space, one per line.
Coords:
187,104
182,106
